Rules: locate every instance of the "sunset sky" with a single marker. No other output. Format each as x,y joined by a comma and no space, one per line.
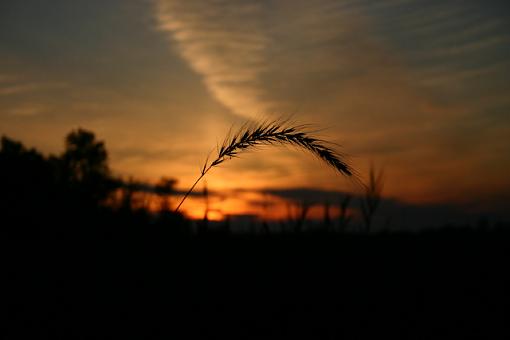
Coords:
419,88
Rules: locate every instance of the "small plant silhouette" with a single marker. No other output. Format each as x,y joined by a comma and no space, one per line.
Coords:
370,201
275,132
344,218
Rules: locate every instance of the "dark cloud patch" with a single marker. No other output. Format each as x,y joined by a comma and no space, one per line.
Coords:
151,188
400,215
148,154
311,196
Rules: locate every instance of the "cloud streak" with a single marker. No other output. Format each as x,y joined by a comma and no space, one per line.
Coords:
224,44
249,53
16,88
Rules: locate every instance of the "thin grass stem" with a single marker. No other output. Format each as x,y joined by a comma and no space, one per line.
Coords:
273,133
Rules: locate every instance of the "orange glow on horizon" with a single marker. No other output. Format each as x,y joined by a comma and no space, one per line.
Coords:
261,207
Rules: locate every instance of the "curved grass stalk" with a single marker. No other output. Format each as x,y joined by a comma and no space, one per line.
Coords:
273,133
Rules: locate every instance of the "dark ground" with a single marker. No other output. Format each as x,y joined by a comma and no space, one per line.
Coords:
437,285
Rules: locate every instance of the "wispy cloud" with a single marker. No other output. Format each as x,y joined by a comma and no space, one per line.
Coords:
27,110
460,39
5,78
9,87
224,44
250,54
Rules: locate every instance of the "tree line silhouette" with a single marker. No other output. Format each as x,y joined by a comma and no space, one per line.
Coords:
74,193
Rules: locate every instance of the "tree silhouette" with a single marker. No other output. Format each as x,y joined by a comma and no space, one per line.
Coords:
85,163
85,156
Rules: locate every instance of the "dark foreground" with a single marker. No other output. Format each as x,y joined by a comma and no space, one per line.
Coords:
439,285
